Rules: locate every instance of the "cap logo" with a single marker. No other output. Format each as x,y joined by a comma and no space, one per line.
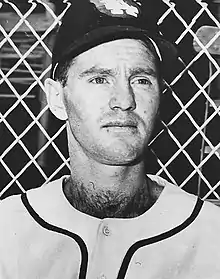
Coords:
119,8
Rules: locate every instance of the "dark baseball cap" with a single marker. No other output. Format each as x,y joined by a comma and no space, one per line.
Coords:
88,23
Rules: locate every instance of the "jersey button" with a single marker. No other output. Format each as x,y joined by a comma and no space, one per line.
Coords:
102,277
106,231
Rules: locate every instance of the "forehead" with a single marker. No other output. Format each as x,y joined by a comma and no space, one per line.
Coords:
126,52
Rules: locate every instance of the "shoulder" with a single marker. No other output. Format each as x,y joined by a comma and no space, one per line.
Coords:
185,203
210,215
173,194
9,207
14,221
13,211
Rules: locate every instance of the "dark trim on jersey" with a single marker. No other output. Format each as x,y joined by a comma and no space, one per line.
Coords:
129,254
139,244
77,238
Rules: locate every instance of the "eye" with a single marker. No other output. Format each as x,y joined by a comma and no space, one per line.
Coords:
99,80
141,81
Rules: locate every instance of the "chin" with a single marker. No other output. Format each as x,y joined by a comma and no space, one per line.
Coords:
121,157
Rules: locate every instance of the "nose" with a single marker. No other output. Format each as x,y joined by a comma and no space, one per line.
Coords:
122,98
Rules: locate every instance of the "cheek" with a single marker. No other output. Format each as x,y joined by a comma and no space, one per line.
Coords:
83,110
149,106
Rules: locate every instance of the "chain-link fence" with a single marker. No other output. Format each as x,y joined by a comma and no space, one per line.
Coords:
185,148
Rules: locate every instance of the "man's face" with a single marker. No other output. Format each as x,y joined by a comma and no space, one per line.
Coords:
111,99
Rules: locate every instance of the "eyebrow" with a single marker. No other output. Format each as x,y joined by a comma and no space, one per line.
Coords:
96,70
140,70
105,71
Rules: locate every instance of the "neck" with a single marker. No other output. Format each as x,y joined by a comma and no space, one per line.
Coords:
106,191
119,192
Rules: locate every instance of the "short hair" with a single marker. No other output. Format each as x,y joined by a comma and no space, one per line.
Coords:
62,71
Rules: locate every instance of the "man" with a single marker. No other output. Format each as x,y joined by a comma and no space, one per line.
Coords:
107,219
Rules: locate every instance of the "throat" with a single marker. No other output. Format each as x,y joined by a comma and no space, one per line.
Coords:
108,203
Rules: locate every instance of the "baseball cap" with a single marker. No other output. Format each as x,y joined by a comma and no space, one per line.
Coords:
88,23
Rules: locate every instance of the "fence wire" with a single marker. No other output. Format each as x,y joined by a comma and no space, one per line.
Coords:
185,148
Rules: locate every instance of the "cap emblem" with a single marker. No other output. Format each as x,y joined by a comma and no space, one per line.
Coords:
119,8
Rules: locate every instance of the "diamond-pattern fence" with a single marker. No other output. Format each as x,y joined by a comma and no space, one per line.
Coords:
185,148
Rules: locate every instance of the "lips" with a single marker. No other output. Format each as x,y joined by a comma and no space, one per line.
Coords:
122,124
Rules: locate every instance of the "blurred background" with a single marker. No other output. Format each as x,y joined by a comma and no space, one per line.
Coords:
185,147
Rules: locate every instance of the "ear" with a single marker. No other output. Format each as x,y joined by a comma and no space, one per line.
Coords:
54,93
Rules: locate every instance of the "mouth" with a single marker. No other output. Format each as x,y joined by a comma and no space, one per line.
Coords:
121,125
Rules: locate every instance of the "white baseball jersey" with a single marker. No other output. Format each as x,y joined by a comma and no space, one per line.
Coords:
43,237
